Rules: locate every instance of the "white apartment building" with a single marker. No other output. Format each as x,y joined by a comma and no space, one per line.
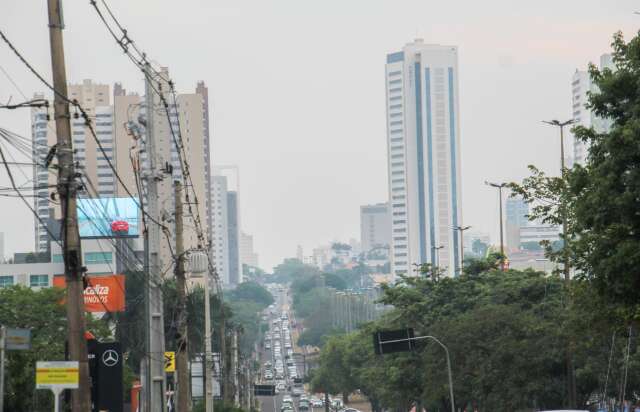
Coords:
248,256
375,226
580,85
188,117
423,142
95,98
226,232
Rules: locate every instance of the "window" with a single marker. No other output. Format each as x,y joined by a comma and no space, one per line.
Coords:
98,257
57,259
38,280
6,281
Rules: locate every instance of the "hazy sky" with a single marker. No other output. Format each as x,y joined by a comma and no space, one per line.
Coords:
297,93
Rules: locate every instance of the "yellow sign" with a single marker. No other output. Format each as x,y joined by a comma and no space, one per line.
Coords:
57,375
169,361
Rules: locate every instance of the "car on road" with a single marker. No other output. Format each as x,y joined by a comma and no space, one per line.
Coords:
317,402
336,404
268,376
297,391
281,387
304,405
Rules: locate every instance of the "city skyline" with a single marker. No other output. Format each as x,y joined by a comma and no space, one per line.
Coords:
504,71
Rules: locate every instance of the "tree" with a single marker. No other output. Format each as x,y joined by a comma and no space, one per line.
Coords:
254,292
290,269
479,248
42,312
505,332
601,196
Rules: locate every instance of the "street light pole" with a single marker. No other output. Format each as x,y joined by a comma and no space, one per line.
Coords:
499,186
561,125
461,229
571,377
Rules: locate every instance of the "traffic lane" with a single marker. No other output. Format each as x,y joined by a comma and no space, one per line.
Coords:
270,403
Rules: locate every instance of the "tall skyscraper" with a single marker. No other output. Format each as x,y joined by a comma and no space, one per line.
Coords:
226,231
375,226
580,85
423,142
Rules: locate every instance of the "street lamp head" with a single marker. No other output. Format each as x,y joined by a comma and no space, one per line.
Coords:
556,122
498,185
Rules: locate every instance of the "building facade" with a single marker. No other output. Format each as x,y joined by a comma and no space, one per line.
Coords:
517,211
423,143
248,256
581,85
375,226
226,232
119,127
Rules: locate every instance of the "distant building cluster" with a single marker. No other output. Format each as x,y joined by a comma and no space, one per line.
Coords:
112,238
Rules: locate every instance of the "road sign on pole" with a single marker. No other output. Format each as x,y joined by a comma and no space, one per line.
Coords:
57,376
169,361
264,390
393,341
17,339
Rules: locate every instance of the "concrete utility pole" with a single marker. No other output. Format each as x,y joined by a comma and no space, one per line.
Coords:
3,334
154,385
236,388
67,189
208,356
182,355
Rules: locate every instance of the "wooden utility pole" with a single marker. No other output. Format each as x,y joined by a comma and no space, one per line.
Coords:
67,189
182,355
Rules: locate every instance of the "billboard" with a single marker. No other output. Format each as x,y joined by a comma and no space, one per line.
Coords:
108,217
103,293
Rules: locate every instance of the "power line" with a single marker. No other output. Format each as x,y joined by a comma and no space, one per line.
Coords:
87,120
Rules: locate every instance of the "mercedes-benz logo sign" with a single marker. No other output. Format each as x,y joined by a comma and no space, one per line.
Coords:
110,357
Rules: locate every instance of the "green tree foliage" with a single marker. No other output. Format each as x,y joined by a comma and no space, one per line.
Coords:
253,292
42,312
601,196
290,269
506,334
479,248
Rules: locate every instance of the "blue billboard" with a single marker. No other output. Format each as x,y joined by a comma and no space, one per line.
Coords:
108,217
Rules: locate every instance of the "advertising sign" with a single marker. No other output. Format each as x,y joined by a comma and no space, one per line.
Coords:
108,217
57,375
103,293
105,367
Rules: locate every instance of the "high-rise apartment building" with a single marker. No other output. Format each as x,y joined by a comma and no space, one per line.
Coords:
226,232
98,177
248,256
119,128
375,226
581,85
423,142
